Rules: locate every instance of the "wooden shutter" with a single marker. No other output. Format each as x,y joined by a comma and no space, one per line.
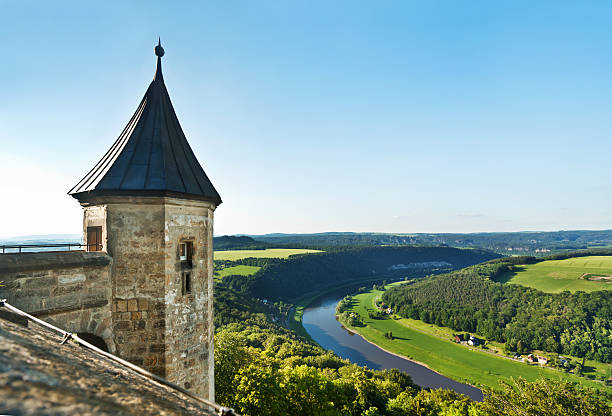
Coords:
94,238
189,250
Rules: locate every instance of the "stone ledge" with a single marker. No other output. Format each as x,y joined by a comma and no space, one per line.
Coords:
76,306
23,262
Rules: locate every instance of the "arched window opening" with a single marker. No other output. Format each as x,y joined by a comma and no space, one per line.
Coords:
93,339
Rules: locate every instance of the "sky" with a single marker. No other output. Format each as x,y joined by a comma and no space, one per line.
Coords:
314,116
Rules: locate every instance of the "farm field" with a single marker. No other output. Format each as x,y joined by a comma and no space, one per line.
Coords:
280,253
554,276
470,365
241,270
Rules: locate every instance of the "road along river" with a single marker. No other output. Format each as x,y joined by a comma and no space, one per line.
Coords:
320,322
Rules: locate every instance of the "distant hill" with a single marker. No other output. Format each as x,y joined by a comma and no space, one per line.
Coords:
538,243
42,239
226,242
230,242
533,243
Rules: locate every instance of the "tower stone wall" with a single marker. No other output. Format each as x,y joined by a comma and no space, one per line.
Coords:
189,316
156,322
134,230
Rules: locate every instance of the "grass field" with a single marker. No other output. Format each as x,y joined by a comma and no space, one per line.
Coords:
280,253
554,276
239,270
466,364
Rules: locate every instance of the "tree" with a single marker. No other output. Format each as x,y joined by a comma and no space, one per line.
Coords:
372,411
258,391
433,403
375,314
551,344
544,397
308,393
230,356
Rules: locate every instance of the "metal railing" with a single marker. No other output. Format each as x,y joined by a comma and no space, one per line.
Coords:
33,248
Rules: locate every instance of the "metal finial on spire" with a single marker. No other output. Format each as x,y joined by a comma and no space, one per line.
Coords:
159,51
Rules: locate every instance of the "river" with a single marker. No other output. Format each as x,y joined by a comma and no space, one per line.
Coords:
320,322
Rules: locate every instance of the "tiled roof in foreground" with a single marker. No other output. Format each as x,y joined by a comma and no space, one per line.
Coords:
38,375
151,155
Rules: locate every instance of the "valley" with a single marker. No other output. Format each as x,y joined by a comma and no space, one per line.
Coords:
285,308
434,346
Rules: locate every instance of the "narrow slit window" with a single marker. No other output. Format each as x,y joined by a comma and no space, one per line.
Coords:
186,283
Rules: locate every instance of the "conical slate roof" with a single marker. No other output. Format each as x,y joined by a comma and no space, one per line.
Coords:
151,156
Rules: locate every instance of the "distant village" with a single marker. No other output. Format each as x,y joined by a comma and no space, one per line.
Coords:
527,249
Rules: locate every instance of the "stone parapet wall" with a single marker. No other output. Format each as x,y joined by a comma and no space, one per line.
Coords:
16,263
70,289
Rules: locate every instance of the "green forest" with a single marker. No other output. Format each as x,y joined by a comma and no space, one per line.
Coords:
578,324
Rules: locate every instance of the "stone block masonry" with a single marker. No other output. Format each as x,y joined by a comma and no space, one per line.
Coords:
189,316
69,289
138,325
161,302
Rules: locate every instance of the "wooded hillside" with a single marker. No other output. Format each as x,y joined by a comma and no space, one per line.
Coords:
293,277
578,324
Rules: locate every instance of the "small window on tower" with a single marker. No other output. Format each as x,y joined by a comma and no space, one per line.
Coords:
186,283
94,238
186,251
186,254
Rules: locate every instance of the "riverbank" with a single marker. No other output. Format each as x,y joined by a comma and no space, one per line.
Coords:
320,321
294,319
467,365
593,370
352,331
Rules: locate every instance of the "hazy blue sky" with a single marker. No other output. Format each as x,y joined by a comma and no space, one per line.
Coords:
431,116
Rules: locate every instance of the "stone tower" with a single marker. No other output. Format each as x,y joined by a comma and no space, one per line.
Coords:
149,205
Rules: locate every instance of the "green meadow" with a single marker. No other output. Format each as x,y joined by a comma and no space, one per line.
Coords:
280,253
241,270
554,276
466,364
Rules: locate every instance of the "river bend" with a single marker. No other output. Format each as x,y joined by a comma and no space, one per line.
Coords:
320,322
